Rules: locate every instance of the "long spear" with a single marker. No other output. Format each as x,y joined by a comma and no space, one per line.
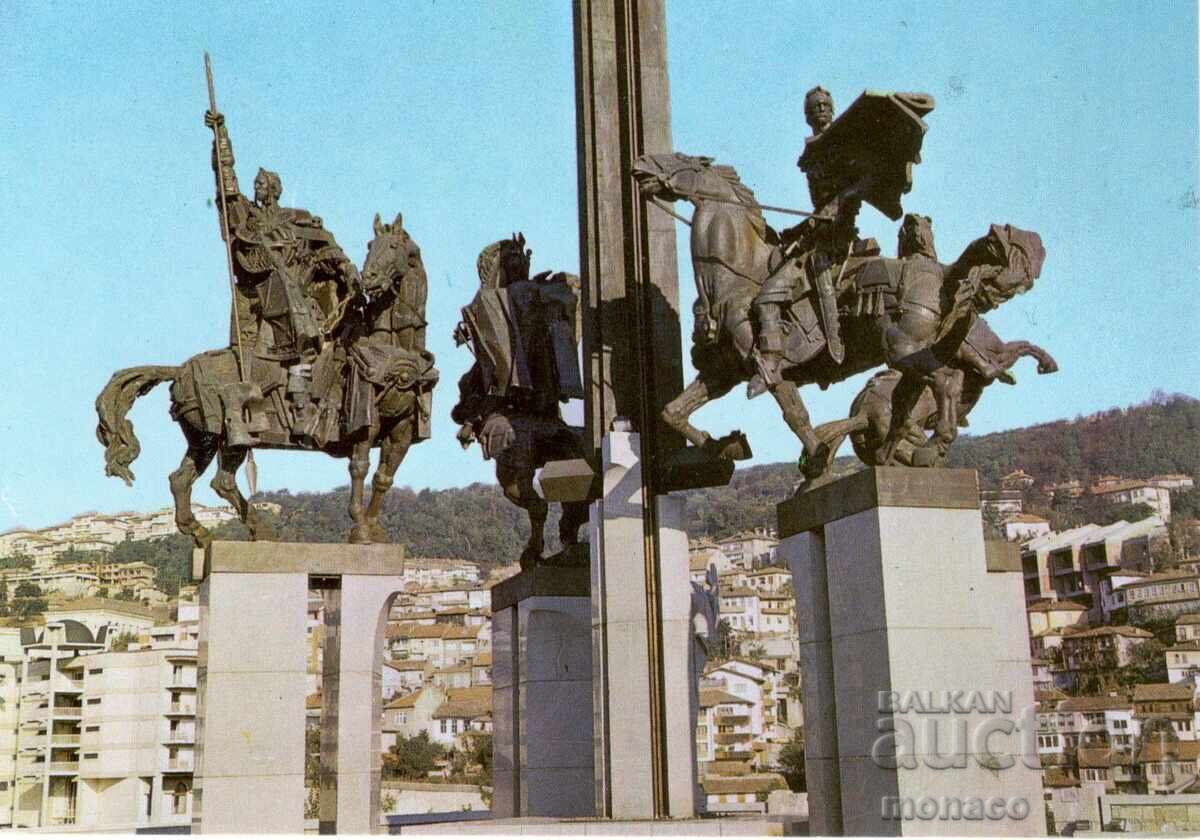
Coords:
251,468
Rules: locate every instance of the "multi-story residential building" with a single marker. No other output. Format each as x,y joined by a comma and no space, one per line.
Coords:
741,607
1183,660
1169,766
1187,627
1175,703
1136,492
408,675
746,551
1025,526
1172,481
49,733
120,617
1164,595
441,644
464,710
723,728
1100,648
1041,576
106,737
1048,620
769,579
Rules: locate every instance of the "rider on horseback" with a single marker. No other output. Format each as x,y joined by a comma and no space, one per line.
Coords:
823,241
285,264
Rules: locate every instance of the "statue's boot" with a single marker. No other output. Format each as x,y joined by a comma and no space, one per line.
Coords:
234,400
827,298
767,358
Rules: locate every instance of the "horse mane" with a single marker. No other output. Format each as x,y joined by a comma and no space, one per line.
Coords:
743,194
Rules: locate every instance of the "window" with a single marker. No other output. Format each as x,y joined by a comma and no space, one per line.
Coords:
91,729
92,701
179,798
91,755
94,671
443,722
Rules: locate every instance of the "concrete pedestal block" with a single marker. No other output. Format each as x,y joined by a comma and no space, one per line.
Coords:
918,693
253,663
621,636
542,695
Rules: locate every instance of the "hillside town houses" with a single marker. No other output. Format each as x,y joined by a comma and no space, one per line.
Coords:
98,695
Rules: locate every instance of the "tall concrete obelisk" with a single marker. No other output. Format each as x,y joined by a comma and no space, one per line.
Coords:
644,760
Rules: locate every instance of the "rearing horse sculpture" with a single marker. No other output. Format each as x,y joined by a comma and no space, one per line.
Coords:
386,379
913,317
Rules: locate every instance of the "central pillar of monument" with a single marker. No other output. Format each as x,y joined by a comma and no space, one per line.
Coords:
919,714
633,367
625,632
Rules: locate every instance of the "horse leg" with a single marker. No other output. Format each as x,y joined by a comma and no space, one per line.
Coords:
814,461
947,391
1014,350
229,459
360,465
517,485
201,449
905,397
391,454
702,390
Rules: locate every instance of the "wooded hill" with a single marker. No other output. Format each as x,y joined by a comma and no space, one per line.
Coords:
475,523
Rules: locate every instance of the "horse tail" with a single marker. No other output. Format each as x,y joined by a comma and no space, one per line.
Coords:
121,445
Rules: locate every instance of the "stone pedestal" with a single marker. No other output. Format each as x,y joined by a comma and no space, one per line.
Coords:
542,695
918,695
622,635
250,718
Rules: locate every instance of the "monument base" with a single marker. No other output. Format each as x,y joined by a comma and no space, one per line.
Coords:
918,694
542,694
253,671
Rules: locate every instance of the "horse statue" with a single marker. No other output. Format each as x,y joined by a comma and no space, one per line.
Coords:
913,315
870,417
373,366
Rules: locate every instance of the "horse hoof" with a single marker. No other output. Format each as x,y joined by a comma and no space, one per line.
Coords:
360,535
733,447
529,559
202,537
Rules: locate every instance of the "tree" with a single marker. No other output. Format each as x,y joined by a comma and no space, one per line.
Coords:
312,772
1147,664
791,762
126,594
412,758
3,594
123,641
28,600
726,645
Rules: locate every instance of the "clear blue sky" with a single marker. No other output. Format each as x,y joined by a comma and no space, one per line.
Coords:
1075,120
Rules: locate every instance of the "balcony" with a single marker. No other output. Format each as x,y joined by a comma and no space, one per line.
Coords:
180,765
64,766
67,685
65,818
181,737
68,711
732,737
181,709
733,720
64,738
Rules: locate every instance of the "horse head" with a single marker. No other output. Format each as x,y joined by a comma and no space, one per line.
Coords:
504,262
1001,265
391,255
672,176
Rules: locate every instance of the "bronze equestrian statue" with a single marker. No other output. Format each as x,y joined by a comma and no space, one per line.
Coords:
913,315
523,332
321,357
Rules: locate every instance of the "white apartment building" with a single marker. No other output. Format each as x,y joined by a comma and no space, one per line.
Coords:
1183,661
106,738
120,617
1137,492
1187,627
